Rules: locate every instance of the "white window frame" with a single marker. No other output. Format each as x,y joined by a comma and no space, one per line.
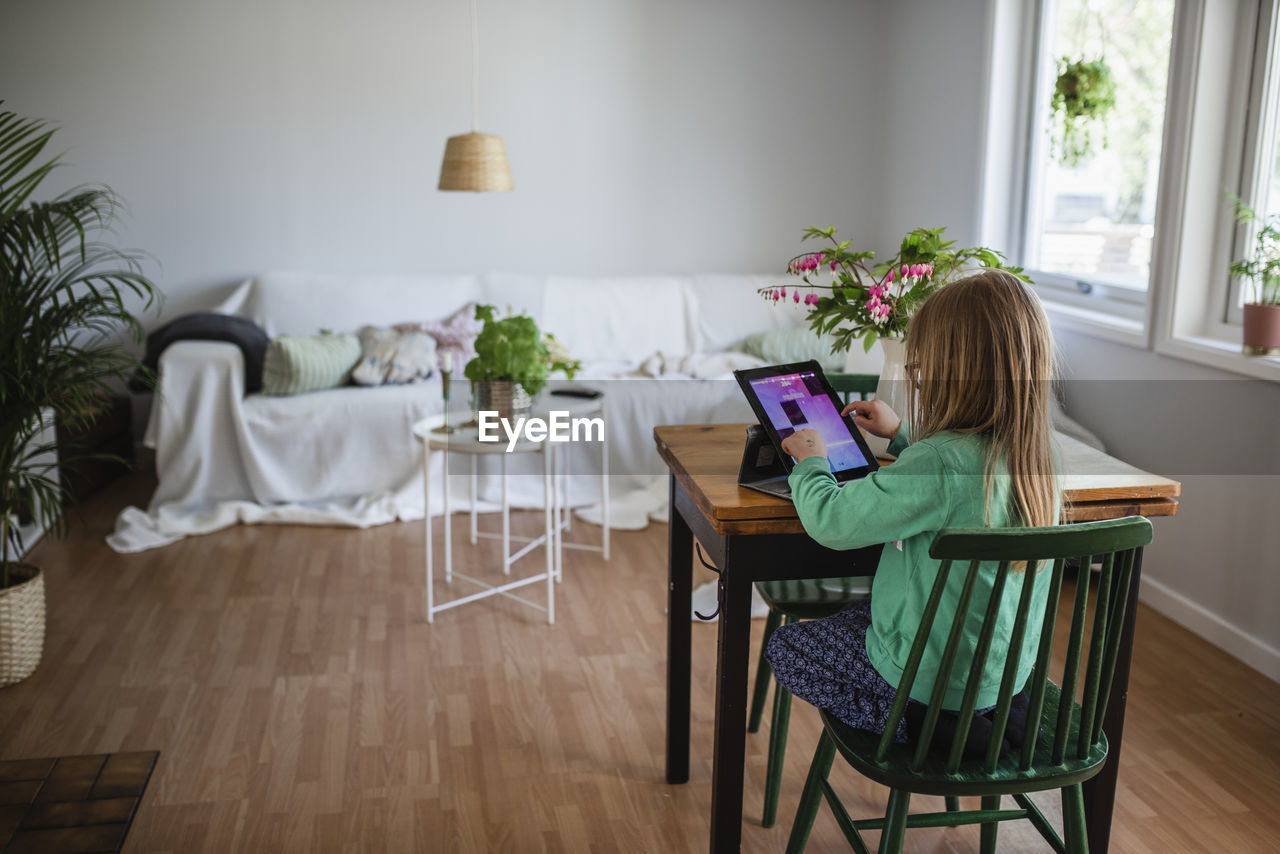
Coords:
1255,172
1126,306
1211,95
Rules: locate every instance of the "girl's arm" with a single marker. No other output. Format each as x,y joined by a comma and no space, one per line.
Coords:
893,503
899,441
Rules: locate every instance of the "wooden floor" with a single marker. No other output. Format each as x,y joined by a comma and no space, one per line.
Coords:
300,703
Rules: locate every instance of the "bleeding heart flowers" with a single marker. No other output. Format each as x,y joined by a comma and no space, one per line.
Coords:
845,294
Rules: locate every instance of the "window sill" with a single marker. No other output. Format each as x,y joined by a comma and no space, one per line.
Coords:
1223,355
1099,324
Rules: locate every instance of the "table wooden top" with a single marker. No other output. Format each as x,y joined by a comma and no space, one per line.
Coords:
705,459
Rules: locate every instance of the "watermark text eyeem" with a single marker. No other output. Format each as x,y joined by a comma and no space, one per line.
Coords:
558,427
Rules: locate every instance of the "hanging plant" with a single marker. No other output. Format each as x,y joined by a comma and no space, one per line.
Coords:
1083,95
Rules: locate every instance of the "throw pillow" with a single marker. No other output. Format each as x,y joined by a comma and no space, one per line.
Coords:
388,356
298,363
414,359
793,344
455,334
209,326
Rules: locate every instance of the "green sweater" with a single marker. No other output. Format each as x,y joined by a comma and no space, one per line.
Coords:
936,483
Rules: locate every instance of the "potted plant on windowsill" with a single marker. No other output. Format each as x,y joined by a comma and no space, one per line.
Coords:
512,363
1261,333
63,301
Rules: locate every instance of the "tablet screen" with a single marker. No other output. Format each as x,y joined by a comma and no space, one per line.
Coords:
799,400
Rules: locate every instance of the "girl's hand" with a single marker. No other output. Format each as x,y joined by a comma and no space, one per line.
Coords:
875,417
803,444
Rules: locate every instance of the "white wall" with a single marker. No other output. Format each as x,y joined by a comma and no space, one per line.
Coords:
1215,567
644,135
932,121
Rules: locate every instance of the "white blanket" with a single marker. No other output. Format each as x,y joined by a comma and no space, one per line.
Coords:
698,365
228,459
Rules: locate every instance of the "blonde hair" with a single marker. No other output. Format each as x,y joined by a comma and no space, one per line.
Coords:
983,352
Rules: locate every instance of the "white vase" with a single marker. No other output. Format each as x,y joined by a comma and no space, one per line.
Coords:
892,388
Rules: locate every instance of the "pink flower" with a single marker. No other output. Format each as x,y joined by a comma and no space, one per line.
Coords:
784,293
889,278
795,296
833,266
906,271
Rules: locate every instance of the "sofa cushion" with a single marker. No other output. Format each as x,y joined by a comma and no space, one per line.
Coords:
391,356
209,326
299,363
796,344
455,335
302,303
626,318
726,307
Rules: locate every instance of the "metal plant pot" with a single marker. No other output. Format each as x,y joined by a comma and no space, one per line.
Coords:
21,623
507,398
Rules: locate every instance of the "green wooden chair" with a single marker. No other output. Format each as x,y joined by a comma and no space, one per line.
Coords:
863,385
1069,746
799,600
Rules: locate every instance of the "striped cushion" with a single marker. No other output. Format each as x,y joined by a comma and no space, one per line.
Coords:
298,363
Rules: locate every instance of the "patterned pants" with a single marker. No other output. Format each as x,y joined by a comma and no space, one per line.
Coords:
824,662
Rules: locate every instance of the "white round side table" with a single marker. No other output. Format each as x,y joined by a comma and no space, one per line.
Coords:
557,514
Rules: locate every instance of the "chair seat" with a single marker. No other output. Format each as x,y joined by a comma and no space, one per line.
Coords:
859,747
812,598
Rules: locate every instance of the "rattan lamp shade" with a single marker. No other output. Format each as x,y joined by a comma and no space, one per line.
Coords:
476,162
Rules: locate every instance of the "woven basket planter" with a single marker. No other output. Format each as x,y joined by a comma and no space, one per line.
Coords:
21,623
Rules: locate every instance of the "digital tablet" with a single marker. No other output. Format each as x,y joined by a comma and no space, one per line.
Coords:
787,398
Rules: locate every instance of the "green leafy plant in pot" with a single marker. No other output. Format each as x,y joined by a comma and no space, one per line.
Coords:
513,361
1084,94
1261,333
64,299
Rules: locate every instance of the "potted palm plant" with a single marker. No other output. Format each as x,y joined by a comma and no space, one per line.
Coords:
512,363
64,299
1261,334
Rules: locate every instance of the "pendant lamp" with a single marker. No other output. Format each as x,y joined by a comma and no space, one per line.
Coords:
475,162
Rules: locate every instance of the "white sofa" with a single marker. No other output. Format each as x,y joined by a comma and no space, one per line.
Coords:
346,455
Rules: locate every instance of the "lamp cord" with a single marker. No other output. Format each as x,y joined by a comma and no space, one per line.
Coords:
475,70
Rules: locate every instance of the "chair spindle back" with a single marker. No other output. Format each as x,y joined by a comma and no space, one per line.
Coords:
1024,553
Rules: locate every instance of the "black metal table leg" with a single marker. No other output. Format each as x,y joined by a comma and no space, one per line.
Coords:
1100,790
731,704
679,647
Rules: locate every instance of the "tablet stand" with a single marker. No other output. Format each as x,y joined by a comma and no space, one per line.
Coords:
759,458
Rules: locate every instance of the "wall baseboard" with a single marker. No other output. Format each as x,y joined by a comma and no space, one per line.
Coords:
1208,625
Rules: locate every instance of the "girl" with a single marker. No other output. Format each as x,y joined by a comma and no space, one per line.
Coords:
979,365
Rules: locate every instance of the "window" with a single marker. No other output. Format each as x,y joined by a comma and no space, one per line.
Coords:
1134,241
1090,222
1260,172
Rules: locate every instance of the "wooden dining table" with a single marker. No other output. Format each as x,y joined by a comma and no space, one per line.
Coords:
750,537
